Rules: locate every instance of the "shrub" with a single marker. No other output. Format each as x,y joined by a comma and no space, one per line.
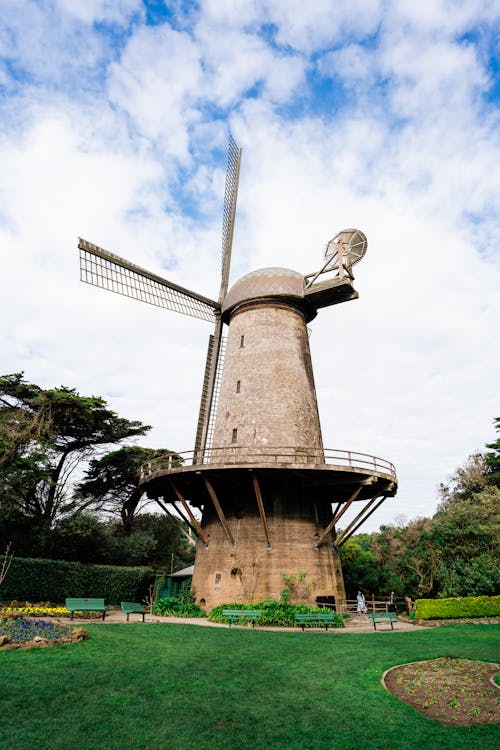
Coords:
53,580
170,606
116,583
40,580
464,606
274,612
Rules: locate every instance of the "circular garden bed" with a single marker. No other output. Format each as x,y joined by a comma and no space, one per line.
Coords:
456,692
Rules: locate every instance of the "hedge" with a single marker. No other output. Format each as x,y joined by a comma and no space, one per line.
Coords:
462,606
39,580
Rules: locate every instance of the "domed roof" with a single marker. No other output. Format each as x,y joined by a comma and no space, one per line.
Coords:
265,282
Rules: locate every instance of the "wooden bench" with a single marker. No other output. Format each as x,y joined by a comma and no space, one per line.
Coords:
132,608
316,620
239,615
86,605
375,617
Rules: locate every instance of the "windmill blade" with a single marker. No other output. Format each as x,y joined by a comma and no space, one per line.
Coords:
209,396
108,271
230,198
215,354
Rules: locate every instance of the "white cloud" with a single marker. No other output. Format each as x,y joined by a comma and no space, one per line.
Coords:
320,23
440,16
353,64
157,82
44,44
236,61
90,11
303,27
165,78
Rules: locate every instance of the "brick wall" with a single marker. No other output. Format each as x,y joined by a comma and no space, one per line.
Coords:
267,392
250,571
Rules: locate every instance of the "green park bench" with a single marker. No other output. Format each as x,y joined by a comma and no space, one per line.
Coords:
241,615
86,605
132,608
375,617
316,620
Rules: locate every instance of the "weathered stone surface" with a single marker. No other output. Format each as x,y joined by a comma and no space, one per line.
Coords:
267,400
250,571
267,392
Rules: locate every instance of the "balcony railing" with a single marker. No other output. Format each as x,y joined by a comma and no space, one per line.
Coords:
241,455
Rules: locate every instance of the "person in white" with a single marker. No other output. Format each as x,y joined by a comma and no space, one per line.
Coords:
361,603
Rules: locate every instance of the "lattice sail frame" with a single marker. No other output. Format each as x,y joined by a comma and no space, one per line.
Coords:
108,271
215,397
229,211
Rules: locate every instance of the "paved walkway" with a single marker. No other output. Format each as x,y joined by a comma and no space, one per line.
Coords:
361,625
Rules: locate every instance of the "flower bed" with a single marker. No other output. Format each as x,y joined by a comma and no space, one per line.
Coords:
25,632
33,610
21,630
456,692
43,609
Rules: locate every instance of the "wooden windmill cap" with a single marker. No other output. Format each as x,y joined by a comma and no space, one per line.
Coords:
281,284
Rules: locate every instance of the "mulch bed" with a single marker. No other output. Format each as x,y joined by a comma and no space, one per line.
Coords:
456,692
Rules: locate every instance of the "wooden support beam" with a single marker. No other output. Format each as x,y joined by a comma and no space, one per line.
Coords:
338,516
260,505
181,514
218,508
336,509
178,521
345,538
203,536
365,508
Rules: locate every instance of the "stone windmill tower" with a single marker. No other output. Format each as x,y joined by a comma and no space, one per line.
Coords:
268,491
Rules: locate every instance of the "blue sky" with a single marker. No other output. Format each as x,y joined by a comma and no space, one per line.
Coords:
371,113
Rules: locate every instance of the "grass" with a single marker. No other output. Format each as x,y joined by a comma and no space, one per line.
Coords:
178,687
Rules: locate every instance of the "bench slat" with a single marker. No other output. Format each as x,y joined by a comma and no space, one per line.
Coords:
390,617
130,608
241,614
315,619
85,604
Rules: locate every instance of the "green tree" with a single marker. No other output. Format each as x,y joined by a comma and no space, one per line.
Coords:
44,435
82,537
360,567
466,480
493,458
455,553
111,483
466,534
174,546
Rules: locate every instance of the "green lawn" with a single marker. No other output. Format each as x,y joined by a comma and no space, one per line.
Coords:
178,687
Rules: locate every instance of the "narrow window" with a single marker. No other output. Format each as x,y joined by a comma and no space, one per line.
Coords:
242,342
238,386
235,435
218,577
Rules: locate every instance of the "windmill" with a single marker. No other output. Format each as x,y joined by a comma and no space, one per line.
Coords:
269,493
